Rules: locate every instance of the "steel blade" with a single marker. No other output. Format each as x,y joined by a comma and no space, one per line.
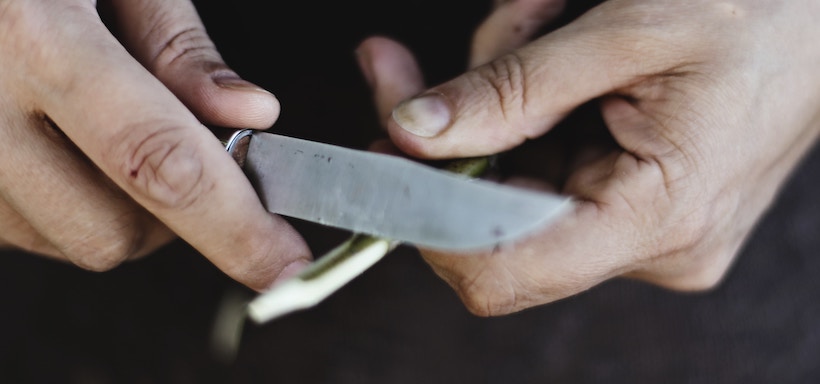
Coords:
391,197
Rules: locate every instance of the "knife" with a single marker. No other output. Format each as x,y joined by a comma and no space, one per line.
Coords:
293,177
387,196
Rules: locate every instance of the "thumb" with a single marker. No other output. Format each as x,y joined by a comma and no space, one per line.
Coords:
523,94
169,39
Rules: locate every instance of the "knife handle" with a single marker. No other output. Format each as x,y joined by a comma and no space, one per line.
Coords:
236,142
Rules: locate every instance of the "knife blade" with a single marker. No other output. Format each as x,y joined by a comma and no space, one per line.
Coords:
387,196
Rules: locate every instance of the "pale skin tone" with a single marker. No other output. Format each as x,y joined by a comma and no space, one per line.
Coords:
711,104
104,155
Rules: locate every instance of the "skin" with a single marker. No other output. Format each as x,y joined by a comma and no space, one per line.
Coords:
709,107
104,155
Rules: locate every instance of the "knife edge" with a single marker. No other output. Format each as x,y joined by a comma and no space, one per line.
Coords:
381,195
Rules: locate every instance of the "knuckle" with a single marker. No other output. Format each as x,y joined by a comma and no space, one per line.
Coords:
98,259
505,95
177,43
704,281
711,268
702,278
105,247
487,300
506,76
484,306
694,270
163,168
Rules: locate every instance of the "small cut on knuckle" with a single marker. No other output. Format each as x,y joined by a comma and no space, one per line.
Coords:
165,170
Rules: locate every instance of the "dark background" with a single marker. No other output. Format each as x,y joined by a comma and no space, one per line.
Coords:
150,321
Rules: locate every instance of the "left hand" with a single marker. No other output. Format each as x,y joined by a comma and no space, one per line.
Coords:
711,105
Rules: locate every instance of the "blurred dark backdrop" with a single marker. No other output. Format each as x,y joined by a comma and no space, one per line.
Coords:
150,321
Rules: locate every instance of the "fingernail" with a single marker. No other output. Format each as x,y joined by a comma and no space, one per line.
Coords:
424,116
237,83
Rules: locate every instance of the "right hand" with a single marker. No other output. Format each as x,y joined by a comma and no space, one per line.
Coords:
103,157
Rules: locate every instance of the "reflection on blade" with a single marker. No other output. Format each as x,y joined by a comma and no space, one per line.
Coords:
391,197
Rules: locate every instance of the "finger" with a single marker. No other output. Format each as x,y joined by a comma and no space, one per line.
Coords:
511,25
154,148
679,262
606,234
522,95
56,203
391,71
65,207
527,273
17,233
168,37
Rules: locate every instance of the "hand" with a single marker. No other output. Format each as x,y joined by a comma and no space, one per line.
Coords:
711,105
103,153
